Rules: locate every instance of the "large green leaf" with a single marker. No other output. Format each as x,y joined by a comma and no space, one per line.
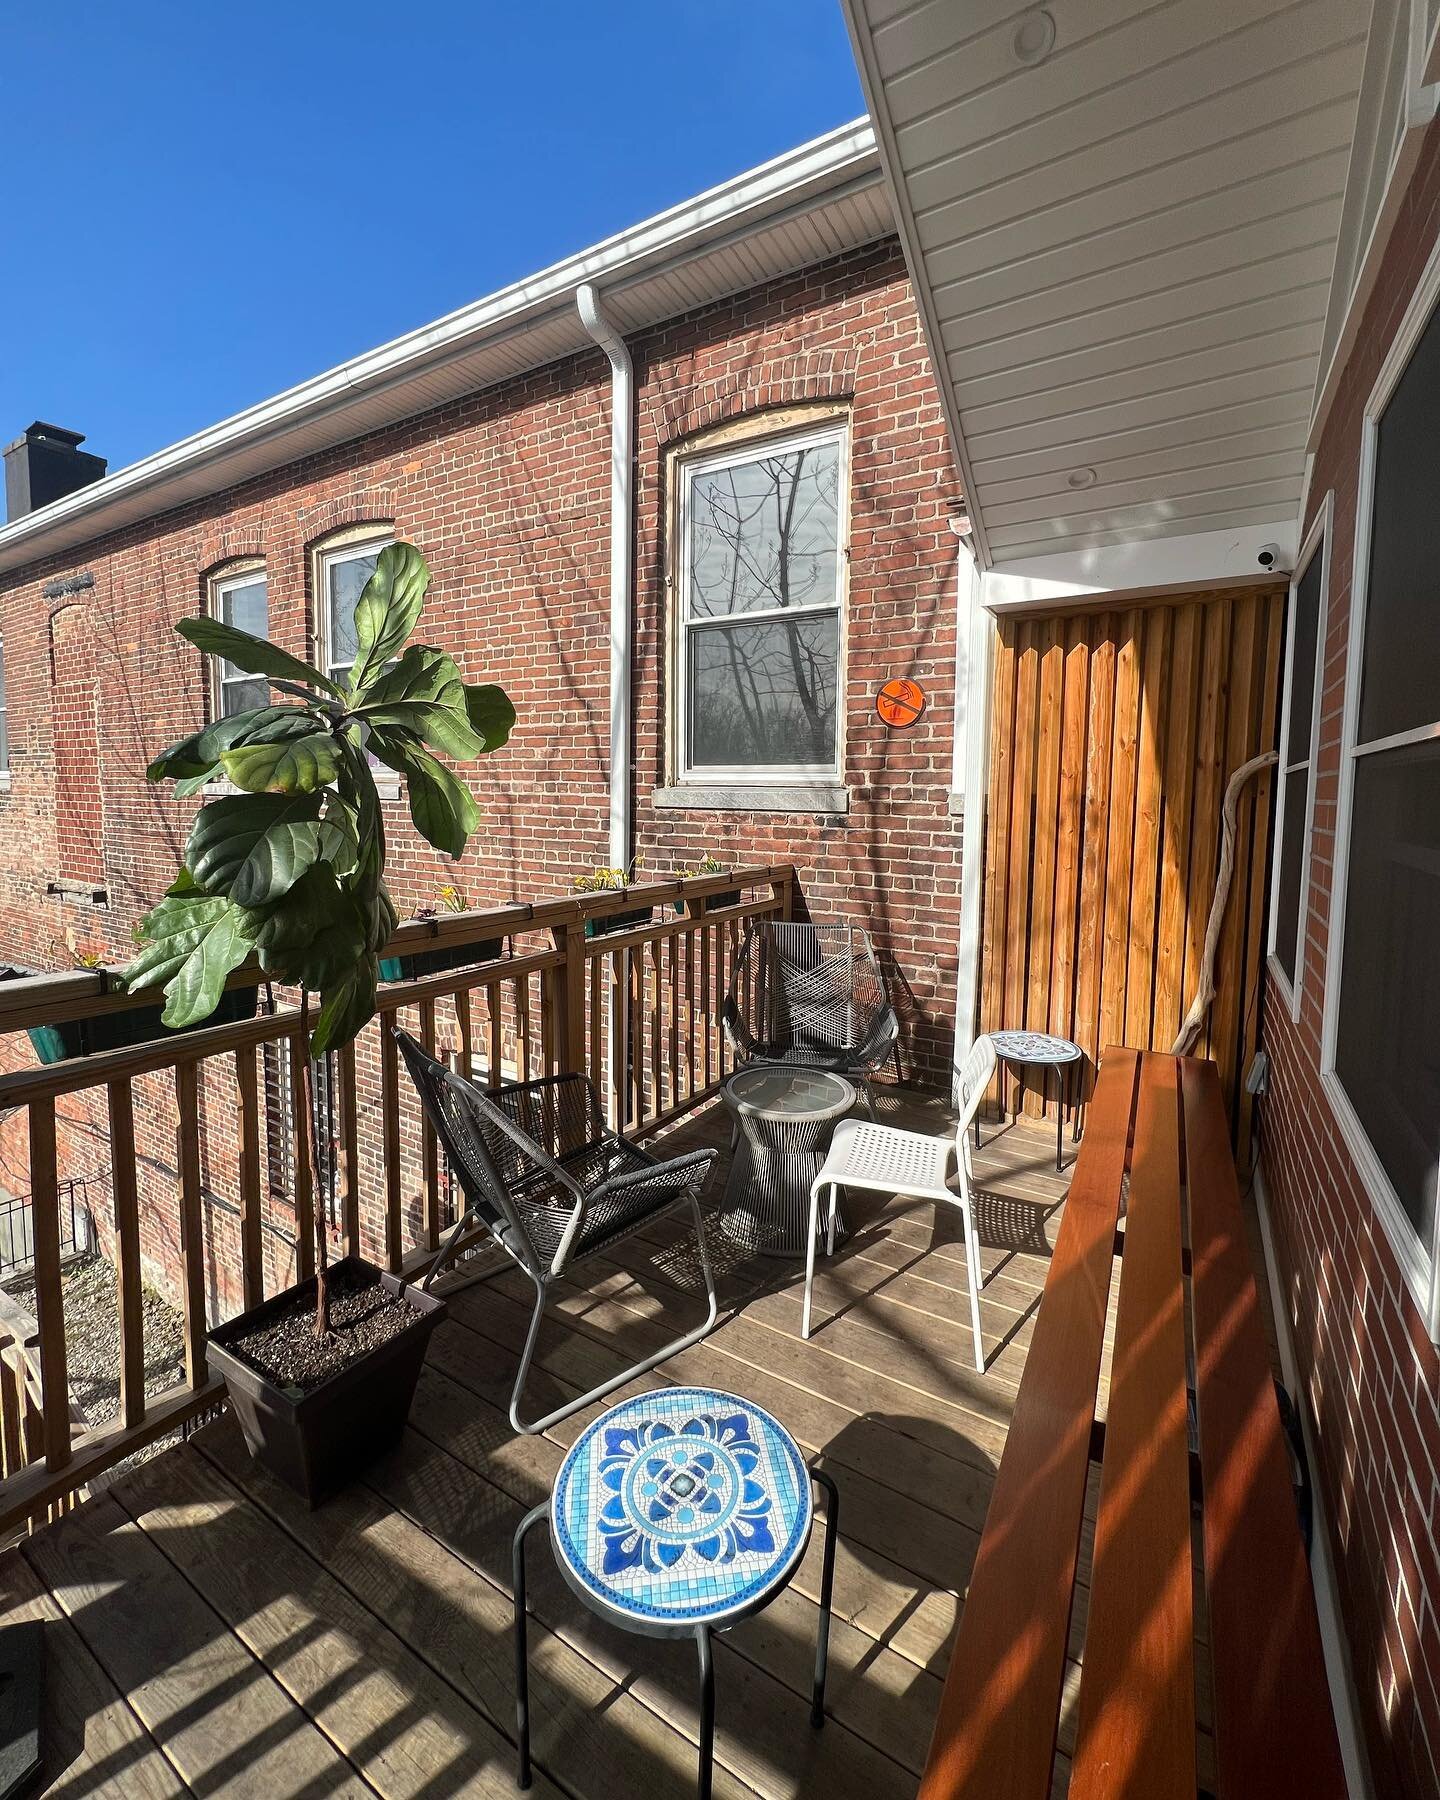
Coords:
198,756
256,656
294,765
254,847
442,807
315,933
386,611
192,942
425,696
346,1006
491,713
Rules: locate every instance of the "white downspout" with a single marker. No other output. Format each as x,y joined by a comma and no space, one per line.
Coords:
622,492
974,634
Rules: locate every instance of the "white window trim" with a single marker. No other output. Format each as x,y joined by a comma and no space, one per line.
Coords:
1317,541
340,546
239,573
743,450
1418,1261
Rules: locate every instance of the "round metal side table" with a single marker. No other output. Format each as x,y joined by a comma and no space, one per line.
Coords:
783,1118
677,1514
1038,1049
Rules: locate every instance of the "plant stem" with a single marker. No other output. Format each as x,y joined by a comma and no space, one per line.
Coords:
319,1194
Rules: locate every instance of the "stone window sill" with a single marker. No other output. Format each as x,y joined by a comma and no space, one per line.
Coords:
782,797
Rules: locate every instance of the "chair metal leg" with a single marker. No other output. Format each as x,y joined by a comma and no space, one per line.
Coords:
447,1244
707,1713
522,1661
642,1367
827,1583
972,1266
810,1237
1059,1117
867,1089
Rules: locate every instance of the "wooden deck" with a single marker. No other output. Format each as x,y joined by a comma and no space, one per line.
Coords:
208,1635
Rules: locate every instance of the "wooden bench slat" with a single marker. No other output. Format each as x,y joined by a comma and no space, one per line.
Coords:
1274,1726
995,1730
1136,1729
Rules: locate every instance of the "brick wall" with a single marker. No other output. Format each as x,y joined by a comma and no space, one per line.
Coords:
1372,1374
507,495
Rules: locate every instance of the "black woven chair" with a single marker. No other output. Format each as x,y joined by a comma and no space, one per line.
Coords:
543,1172
811,995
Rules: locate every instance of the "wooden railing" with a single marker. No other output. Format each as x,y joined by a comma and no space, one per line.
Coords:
181,1129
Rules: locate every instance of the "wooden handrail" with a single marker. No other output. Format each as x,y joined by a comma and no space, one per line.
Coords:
57,999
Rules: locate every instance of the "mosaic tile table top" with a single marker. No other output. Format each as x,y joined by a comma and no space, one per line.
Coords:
682,1507
1033,1047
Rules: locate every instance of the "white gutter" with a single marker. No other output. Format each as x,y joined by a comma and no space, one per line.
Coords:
622,490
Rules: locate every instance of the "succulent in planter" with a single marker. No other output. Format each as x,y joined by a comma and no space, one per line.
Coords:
611,881
291,869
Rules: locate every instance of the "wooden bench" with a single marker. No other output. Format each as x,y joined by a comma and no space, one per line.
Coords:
1161,1120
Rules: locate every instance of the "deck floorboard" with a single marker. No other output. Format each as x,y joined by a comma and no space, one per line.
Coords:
210,1635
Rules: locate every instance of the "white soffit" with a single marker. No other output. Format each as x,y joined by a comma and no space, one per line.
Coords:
1122,251
815,202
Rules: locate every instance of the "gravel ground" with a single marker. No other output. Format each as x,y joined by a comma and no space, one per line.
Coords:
92,1337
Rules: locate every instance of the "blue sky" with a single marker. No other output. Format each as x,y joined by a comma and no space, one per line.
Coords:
206,203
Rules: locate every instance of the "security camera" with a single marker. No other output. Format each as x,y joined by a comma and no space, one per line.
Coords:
1268,556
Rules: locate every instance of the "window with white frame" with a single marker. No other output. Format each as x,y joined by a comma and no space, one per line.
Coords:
240,596
342,567
1305,639
759,617
1382,1049
4,720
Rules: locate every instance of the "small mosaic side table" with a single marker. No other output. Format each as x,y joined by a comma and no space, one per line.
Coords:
783,1118
677,1514
1037,1049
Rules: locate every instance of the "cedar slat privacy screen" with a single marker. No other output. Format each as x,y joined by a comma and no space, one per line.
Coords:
1113,736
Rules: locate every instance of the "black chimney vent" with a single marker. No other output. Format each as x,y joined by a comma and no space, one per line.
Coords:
44,465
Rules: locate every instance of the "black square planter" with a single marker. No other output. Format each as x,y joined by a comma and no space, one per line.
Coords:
316,1442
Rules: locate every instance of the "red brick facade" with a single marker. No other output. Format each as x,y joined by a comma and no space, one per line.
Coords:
507,495
1371,1371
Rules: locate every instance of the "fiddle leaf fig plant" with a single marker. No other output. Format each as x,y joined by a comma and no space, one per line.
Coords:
290,869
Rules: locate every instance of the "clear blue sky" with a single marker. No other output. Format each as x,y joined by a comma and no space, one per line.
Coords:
207,202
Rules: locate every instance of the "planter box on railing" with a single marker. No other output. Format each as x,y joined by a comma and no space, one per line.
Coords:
115,1030
621,921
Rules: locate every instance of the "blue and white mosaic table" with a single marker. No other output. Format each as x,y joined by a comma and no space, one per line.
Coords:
1039,1049
679,1513
683,1506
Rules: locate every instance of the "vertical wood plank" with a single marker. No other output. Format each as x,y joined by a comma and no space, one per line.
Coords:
1090,927
672,974
125,1193
494,1016
350,1143
465,1025
1050,656
1245,665
1179,773
192,1221
1145,853
247,1084
1209,779
1017,910
390,1136
569,940
1121,836
49,1297
304,1174
1069,814
429,1143
997,834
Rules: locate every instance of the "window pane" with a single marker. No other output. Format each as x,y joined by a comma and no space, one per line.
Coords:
764,534
1387,1050
1292,869
764,694
243,695
1302,659
345,579
1401,686
245,607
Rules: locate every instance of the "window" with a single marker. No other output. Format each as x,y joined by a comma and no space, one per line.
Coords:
240,597
4,720
342,567
760,564
1299,725
1382,1057
278,1071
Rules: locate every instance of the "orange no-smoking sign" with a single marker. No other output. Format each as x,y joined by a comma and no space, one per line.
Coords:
900,702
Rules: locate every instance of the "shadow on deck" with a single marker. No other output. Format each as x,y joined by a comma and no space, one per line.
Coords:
208,1634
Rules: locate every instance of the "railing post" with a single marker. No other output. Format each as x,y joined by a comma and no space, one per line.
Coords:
49,1303
569,939
192,1220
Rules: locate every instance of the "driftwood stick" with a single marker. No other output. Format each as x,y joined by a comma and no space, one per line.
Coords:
1205,991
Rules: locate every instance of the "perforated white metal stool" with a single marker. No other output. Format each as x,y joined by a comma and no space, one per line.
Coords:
884,1160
